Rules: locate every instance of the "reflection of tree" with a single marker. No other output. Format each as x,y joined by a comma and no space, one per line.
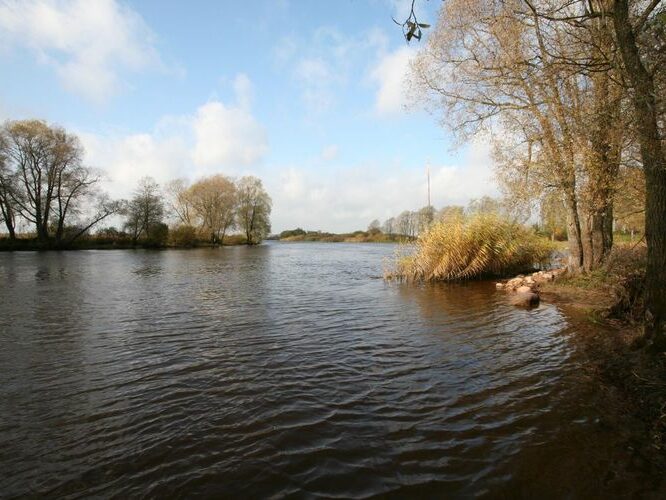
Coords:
44,331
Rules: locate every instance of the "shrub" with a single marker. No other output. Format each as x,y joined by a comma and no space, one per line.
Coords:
157,235
480,245
235,239
292,232
183,236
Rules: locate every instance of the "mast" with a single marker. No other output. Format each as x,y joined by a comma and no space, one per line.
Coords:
428,175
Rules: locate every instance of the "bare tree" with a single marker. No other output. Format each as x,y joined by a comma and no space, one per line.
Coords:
426,216
498,66
567,59
254,209
403,223
7,187
145,210
179,204
44,180
213,200
389,226
650,137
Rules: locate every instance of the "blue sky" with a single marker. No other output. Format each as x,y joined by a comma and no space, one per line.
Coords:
311,96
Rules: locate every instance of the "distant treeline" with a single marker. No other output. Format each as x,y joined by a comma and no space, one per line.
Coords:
550,220
370,236
56,200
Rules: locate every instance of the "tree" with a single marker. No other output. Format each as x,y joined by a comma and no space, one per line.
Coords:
630,201
497,66
450,213
43,179
375,227
254,209
180,206
389,226
586,55
144,211
552,214
7,188
403,223
426,217
484,205
213,201
31,147
650,137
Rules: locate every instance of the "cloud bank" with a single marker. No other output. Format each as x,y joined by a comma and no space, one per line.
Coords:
89,43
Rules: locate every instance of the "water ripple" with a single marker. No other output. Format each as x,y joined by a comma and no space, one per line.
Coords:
278,371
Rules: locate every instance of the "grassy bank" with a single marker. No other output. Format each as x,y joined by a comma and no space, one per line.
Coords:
103,243
615,290
355,237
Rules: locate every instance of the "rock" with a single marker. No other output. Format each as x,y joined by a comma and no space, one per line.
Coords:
524,289
499,286
525,299
514,283
529,280
547,276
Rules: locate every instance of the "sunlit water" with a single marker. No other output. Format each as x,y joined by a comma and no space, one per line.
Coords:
280,370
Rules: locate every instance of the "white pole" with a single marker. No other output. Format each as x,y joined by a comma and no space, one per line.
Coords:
428,175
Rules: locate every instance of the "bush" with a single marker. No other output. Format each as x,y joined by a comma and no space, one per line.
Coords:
291,233
183,236
235,239
481,245
157,235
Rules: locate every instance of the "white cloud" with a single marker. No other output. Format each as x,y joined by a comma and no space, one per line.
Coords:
390,74
284,50
216,137
330,152
88,42
229,135
401,9
127,159
317,79
326,61
347,199
244,90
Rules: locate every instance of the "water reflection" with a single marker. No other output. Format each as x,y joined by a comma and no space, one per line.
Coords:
276,370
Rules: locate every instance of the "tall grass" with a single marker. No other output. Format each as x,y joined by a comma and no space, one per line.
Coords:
462,248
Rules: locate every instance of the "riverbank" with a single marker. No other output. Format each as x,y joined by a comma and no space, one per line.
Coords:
371,236
607,306
93,243
632,380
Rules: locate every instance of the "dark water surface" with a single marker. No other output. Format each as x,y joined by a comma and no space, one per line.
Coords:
287,370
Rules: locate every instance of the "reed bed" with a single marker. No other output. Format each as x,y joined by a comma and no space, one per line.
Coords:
471,247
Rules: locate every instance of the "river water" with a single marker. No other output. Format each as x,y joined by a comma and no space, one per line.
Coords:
288,369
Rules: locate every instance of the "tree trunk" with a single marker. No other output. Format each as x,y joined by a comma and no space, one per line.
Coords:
654,166
60,231
597,237
11,230
42,232
8,216
574,235
608,229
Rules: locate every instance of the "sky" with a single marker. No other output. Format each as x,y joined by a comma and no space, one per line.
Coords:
310,96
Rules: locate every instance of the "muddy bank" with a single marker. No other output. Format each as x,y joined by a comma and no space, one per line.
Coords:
631,380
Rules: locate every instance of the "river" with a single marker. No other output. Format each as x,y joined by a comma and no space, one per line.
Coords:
288,369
